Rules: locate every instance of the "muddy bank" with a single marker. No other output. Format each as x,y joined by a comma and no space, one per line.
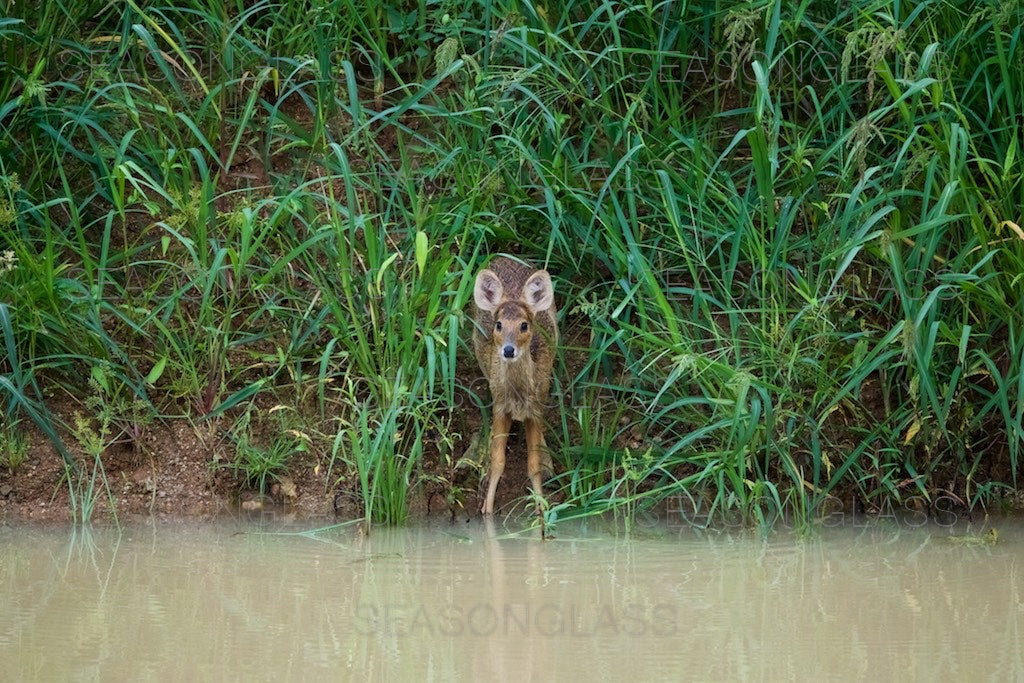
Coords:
181,470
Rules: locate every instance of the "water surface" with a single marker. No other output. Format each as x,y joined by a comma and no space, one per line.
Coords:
472,603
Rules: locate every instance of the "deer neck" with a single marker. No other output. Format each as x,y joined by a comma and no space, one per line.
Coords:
512,387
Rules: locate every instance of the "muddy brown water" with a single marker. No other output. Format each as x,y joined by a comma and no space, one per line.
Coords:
469,602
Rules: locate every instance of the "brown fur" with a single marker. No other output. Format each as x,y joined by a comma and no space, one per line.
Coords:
512,293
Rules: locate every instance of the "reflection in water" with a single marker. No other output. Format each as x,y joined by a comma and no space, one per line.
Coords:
471,603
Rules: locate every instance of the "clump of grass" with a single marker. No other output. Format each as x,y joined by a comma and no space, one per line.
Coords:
87,481
13,447
262,460
383,446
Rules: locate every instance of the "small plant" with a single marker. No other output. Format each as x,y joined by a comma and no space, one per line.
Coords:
636,467
453,492
86,480
432,27
116,406
13,446
259,464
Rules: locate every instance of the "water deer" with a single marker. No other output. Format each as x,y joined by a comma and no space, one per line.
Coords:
514,341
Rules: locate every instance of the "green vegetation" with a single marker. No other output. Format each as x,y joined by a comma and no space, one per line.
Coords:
786,238
13,447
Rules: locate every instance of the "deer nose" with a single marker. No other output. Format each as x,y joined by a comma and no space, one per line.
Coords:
508,351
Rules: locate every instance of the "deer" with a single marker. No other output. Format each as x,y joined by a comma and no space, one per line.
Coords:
515,336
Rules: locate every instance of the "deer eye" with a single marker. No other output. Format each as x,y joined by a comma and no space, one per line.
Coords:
497,325
524,327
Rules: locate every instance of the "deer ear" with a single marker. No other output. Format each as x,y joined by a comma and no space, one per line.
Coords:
488,291
538,294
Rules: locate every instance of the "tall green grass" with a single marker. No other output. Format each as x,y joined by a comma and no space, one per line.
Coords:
786,238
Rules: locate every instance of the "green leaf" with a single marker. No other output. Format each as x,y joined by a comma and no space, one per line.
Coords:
100,377
157,370
383,269
421,250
